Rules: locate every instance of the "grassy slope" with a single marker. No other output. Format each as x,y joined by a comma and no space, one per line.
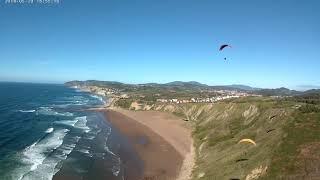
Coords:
278,154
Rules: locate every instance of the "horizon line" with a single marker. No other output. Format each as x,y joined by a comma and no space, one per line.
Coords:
298,87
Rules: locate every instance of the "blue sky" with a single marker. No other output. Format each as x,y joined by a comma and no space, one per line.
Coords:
275,43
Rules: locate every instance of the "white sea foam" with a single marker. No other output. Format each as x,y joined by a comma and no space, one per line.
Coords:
117,161
82,123
48,166
90,137
78,122
85,151
108,133
66,149
67,122
109,151
49,130
34,157
61,105
100,155
50,112
27,111
76,103
117,164
76,138
98,97
116,167
76,99
92,133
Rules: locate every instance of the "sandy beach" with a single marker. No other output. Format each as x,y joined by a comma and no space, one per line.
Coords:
162,140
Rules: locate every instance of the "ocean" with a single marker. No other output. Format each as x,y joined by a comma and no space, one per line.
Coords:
47,132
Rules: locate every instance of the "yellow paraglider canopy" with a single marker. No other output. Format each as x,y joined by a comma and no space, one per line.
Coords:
247,140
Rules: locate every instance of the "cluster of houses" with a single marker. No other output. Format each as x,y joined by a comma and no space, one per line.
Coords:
205,100
115,93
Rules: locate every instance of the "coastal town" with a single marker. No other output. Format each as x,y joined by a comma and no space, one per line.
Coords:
224,94
114,93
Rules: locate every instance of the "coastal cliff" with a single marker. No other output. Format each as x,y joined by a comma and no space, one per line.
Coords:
286,132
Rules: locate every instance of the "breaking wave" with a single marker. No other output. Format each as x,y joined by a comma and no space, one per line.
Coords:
50,112
34,157
27,111
49,130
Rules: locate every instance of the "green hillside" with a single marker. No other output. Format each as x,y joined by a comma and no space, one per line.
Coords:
287,135
285,125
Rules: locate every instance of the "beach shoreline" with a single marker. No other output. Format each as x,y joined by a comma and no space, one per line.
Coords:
162,140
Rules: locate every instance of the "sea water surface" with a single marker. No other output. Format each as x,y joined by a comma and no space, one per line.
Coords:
46,131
